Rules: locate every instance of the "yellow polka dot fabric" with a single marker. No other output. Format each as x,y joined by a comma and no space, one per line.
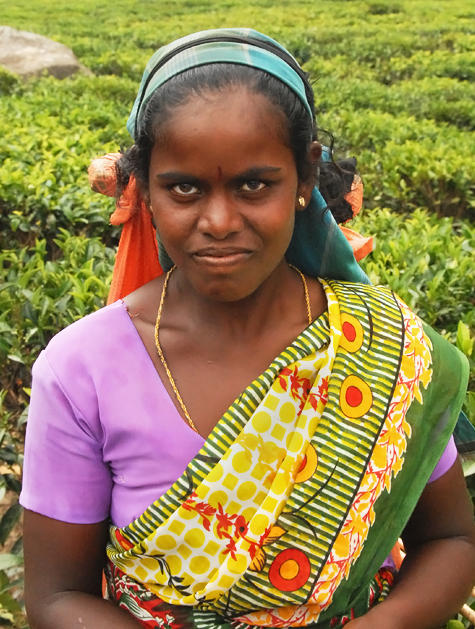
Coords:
208,535
213,535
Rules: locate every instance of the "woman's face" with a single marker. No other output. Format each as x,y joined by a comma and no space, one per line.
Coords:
223,187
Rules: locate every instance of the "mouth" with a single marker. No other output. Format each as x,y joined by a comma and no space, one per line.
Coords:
221,256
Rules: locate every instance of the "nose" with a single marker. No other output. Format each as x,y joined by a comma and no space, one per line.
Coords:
220,216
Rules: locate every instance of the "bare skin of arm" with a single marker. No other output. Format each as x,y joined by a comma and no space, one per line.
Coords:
439,570
63,574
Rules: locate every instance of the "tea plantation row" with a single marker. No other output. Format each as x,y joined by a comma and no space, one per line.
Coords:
393,84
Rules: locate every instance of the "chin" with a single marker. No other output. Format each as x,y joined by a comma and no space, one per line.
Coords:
227,284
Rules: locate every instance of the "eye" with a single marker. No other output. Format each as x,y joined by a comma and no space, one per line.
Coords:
184,189
253,185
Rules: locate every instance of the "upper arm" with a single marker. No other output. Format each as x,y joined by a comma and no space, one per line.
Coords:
444,510
64,474
61,557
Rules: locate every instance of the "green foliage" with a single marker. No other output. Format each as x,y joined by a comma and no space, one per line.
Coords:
43,178
11,612
39,296
425,260
383,8
8,81
42,289
407,163
393,83
465,341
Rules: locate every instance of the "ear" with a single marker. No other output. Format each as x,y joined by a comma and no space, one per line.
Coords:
146,199
315,152
305,187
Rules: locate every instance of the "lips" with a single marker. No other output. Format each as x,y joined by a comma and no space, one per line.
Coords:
220,252
221,256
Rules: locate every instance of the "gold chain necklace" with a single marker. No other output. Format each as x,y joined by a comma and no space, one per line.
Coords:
162,356
305,289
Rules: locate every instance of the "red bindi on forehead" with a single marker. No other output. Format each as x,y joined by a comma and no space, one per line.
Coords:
219,172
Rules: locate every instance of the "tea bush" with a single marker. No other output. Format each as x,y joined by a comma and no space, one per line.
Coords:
426,261
393,82
38,296
46,148
415,164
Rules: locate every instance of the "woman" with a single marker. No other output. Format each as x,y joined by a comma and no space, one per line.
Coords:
292,489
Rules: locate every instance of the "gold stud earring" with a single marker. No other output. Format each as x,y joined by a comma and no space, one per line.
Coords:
301,201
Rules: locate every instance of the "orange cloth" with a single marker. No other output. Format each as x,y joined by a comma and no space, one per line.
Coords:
398,554
136,260
355,195
361,245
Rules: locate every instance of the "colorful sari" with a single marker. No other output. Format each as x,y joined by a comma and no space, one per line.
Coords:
285,516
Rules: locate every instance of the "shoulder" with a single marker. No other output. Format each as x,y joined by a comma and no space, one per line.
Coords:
345,290
366,302
79,356
144,301
380,304
89,334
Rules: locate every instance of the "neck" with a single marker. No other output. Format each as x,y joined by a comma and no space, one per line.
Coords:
279,295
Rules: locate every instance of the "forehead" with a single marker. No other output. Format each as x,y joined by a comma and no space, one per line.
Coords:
224,111
225,132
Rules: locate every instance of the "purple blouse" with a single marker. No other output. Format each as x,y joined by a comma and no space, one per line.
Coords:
104,437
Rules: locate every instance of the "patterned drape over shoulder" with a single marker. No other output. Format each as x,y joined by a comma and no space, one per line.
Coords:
287,513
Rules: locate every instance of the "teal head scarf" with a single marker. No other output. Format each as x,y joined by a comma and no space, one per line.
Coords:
318,246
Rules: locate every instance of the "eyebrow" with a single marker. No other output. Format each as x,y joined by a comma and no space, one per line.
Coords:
255,171
176,174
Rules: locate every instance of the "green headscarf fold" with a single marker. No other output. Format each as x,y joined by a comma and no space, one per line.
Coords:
318,246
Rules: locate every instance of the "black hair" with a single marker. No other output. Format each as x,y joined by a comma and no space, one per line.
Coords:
334,179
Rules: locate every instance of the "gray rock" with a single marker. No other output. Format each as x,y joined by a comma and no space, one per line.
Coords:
28,54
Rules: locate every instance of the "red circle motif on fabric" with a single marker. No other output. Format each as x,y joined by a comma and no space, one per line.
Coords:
290,570
352,333
349,331
303,464
354,396
308,466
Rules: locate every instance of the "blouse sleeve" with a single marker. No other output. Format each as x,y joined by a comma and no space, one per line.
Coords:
64,476
445,462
